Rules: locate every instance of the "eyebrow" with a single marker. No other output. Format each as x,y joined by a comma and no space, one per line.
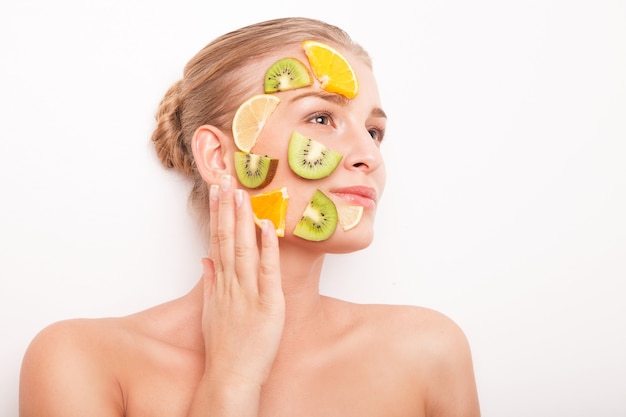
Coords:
378,112
337,99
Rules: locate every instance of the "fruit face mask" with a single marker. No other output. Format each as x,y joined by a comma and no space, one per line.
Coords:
307,157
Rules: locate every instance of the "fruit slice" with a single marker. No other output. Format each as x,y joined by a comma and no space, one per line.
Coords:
311,159
319,219
349,216
254,171
331,69
287,74
250,118
271,205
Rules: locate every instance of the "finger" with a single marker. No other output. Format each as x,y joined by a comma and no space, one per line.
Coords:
270,285
226,228
214,242
246,249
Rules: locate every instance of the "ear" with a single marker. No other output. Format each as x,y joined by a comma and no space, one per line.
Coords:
209,152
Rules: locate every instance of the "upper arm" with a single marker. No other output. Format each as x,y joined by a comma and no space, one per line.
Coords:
452,387
63,375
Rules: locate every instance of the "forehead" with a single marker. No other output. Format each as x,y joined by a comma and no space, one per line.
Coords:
367,82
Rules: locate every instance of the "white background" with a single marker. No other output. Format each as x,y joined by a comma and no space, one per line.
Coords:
506,199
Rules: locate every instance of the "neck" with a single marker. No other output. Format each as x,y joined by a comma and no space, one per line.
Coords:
300,275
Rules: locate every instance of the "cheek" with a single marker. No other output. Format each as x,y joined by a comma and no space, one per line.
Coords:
300,191
382,177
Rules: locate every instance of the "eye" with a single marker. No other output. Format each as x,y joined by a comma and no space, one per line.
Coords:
322,118
377,134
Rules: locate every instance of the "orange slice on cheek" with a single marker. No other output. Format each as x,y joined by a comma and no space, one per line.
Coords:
271,205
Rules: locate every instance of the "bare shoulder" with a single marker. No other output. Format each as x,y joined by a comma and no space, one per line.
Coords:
88,367
66,371
433,330
433,348
422,328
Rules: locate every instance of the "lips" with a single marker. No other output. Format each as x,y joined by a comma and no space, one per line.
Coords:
358,195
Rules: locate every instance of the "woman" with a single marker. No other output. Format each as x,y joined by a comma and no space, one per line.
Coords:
254,337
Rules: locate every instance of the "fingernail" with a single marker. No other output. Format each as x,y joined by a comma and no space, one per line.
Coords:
225,182
264,226
238,197
213,192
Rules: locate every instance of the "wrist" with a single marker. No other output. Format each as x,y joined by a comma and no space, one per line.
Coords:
231,380
228,394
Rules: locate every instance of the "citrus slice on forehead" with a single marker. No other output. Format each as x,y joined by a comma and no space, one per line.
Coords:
271,205
331,68
250,118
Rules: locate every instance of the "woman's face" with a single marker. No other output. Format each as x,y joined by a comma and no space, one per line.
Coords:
352,127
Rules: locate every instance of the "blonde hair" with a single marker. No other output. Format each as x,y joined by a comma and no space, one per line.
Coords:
211,89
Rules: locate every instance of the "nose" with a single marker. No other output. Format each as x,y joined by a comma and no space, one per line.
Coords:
362,153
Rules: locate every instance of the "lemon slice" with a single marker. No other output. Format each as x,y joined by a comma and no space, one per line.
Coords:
250,118
331,68
349,216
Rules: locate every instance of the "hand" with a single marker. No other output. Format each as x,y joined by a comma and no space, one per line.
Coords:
244,306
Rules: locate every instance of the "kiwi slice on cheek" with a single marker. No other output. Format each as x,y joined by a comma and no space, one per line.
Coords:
311,159
287,74
254,171
319,220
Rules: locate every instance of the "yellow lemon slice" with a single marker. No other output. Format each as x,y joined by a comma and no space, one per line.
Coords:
349,216
250,118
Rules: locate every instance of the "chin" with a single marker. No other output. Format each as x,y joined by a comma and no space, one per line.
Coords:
339,242
351,241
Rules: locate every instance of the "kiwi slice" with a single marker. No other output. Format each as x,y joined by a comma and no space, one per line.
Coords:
319,219
311,159
287,74
254,171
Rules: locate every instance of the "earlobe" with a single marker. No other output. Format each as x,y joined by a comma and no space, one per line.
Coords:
209,152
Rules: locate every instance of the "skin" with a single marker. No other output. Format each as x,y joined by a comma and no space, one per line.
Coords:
254,337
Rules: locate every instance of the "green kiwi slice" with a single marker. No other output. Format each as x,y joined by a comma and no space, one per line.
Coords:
319,220
287,74
311,159
254,171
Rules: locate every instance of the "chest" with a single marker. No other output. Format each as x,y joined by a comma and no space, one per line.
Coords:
341,392
340,388
357,383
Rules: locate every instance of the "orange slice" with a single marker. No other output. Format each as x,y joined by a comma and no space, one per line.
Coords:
271,205
250,118
349,216
331,69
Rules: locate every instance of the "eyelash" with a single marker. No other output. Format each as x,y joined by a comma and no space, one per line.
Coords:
376,133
